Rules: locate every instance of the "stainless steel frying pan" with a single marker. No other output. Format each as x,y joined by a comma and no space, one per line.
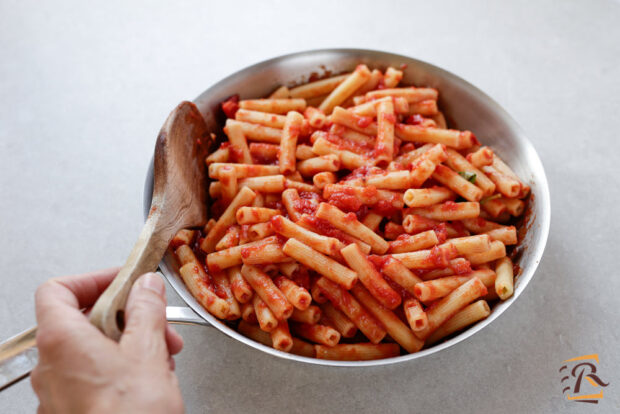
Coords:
465,106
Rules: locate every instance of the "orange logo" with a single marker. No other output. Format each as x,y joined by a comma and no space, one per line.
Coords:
574,372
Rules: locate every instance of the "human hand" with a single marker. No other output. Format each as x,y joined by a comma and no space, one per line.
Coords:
81,370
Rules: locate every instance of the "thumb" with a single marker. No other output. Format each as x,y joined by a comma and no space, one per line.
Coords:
145,319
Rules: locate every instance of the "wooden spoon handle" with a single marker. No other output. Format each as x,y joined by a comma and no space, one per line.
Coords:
108,312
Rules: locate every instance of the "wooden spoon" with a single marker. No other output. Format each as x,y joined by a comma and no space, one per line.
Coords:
179,201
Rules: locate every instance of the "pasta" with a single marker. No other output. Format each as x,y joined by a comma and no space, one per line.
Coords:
346,211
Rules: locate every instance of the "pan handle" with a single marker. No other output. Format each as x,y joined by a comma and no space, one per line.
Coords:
19,354
182,315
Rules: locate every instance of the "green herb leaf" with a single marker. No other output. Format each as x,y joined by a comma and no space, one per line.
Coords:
494,196
469,176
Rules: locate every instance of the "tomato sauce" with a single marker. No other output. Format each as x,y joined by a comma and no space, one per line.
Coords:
388,295
263,153
474,139
345,200
349,145
380,149
380,261
401,240
230,106
361,172
461,267
391,118
349,218
415,119
480,222
385,208
362,121
307,203
324,228
277,224
302,278
438,258
362,212
217,208
219,291
458,227
294,130
441,232
251,250
397,166
450,206
398,288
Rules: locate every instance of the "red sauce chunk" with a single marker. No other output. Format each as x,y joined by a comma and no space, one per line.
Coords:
262,154
361,172
379,261
348,145
230,106
362,212
380,149
302,278
345,200
326,229
363,121
307,203
217,208
474,139
441,232
461,267
459,228
415,119
250,250
397,166
402,240
219,291
397,288
350,217
294,130
438,258
449,206
385,208
276,223
388,295
391,118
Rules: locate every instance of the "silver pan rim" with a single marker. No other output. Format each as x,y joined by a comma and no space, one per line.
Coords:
542,218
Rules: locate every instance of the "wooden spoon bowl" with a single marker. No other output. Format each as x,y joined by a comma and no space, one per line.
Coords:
179,201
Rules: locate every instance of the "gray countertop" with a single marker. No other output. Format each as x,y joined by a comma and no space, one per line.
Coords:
84,89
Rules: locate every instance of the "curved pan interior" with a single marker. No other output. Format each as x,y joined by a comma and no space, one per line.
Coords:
465,107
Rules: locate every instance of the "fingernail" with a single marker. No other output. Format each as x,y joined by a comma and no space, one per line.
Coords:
153,282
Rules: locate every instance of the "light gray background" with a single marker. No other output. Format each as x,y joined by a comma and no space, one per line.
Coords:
85,87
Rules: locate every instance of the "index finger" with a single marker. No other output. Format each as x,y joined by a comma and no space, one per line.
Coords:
63,296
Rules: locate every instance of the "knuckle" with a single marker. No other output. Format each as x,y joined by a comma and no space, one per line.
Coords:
147,299
43,288
49,340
